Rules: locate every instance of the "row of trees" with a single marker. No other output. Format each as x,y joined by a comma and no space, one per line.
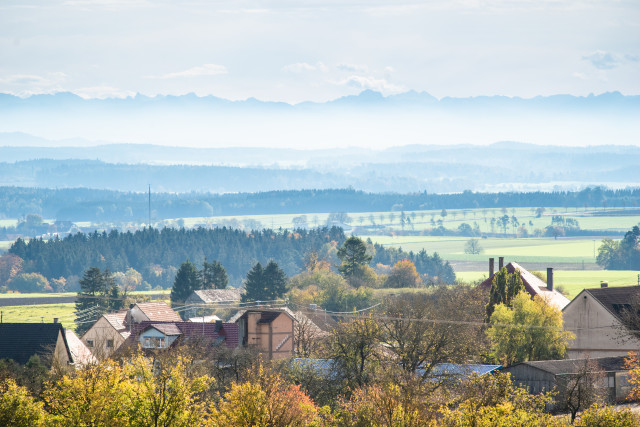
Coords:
82,204
157,254
623,254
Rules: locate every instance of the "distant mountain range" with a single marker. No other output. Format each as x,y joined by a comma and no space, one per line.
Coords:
367,120
367,98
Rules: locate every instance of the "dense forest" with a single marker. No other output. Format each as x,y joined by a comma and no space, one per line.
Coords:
83,204
157,254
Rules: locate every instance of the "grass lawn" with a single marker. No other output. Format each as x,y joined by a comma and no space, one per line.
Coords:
573,281
40,312
5,245
38,295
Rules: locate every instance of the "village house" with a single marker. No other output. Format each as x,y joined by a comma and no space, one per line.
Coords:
270,331
532,284
48,341
111,330
595,316
150,335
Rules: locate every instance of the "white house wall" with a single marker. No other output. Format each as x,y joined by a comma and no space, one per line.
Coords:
598,332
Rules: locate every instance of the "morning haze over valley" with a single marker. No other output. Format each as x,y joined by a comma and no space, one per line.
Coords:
337,213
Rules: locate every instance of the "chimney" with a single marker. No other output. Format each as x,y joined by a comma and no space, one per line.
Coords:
491,262
218,325
131,306
550,278
604,284
500,262
55,320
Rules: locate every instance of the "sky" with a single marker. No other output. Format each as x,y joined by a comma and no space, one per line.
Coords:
319,50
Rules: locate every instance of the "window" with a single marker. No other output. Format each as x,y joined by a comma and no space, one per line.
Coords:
109,343
153,342
90,343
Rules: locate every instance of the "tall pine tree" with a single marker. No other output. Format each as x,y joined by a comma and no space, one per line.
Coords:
275,281
265,284
185,283
213,275
98,294
254,285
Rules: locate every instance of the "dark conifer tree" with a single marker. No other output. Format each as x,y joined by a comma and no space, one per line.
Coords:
275,281
254,285
98,294
213,275
186,282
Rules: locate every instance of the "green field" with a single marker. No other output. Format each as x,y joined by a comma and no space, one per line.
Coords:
543,249
39,312
572,281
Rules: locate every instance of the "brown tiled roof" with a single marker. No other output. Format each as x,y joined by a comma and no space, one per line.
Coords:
212,331
158,311
168,329
117,320
617,298
533,286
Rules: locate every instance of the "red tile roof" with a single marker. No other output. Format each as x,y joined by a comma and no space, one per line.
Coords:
158,311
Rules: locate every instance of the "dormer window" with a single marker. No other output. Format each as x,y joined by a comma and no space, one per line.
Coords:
153,342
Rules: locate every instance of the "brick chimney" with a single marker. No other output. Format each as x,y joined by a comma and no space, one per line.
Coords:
491,262
550,278
604,284
500,262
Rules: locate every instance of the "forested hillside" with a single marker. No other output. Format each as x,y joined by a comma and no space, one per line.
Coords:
156,254
83,204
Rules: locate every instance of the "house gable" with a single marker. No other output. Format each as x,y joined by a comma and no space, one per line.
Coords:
599,333
20,341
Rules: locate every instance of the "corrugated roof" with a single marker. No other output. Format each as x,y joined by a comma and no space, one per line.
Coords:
573,366
158,311
20,341
533,286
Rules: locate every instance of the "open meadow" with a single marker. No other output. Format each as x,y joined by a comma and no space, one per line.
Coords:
40,313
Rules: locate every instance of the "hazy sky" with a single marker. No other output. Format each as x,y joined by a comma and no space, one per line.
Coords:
297,50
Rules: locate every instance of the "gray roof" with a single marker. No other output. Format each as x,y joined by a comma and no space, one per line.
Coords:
616,299
20,341
209,296
573,366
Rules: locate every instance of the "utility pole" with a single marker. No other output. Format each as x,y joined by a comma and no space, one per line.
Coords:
149,205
